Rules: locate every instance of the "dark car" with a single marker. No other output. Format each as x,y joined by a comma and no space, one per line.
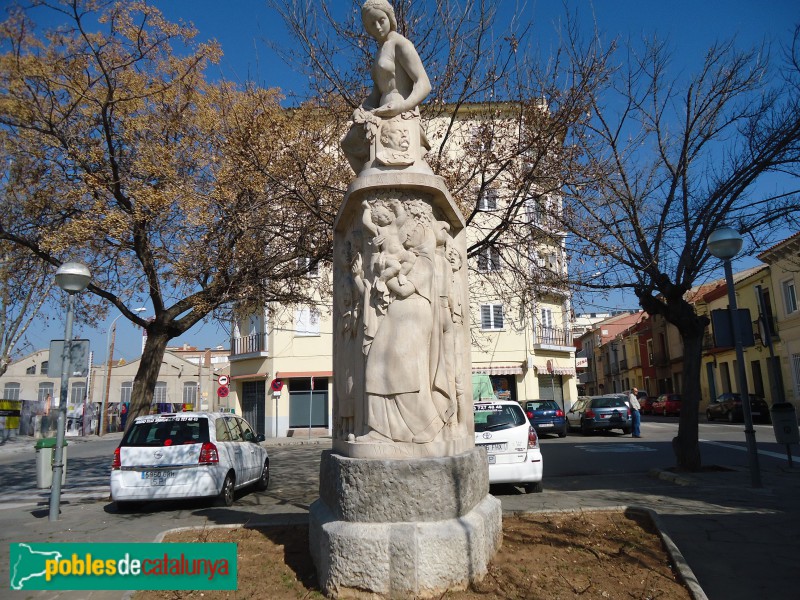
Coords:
667,404
546,416
599,413
729,406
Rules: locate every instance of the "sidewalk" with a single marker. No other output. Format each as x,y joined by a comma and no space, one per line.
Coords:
730,540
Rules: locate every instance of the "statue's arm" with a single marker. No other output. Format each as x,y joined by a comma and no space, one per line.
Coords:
411,62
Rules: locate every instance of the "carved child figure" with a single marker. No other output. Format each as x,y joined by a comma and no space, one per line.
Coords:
385,220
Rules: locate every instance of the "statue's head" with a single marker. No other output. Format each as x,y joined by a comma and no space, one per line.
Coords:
383,6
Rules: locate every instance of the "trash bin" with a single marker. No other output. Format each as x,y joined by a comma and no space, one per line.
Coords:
45,457
784,423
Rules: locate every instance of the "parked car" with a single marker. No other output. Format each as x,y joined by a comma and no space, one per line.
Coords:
667,404
646,404
595,413
729,406
187,455
546,416
511,444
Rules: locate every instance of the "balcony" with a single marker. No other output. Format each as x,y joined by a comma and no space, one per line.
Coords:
553,338
248,346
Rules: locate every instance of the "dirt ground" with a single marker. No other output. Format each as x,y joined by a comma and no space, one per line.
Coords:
609,555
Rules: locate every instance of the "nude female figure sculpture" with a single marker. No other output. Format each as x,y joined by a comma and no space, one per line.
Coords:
400,86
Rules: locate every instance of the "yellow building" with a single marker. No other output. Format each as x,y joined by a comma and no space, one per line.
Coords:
281,357
784,263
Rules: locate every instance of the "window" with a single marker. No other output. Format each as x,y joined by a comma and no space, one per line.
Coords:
305,264
11,391
547,318
45,391
77,392
488,199
160,393
125,389
307,322
789,297
190,392
491,316
45,367
31,370
489,259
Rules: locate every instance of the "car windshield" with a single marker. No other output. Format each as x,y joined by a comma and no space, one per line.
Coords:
674,398
160,430
608,403
541,405
494,417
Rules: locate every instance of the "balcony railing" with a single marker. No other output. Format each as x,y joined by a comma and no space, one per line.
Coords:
553,336
249,344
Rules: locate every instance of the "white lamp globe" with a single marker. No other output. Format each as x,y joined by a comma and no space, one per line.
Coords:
724,243
73,277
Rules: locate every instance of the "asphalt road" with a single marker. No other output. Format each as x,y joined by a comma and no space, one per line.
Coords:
295,468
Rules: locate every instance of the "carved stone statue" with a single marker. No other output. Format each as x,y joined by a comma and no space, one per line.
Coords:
388,122
402,403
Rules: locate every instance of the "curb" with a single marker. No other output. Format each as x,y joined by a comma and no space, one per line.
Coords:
671,477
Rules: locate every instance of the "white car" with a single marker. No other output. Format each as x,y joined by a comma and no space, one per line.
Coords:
187,455
511,443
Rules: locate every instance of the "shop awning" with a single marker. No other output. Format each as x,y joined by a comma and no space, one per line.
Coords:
552,368
498,369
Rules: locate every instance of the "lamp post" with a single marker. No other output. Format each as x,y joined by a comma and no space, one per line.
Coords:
72,277
725,243
110,336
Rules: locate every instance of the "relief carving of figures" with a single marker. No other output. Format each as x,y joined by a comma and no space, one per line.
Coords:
349,374
400,84
409,388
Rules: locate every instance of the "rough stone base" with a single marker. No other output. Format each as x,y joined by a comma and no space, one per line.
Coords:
359,553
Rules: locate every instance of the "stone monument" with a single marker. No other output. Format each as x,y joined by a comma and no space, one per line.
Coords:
404,508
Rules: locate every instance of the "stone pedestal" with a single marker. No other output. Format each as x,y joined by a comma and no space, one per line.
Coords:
403,528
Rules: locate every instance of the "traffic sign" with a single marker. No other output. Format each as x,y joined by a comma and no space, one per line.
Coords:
276,385
223,380
222,391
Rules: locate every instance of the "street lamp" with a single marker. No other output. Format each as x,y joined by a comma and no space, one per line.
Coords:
72,277
112,332
725,243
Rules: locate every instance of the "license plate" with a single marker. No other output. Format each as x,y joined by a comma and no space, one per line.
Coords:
545,425
491,459
158,477
495,447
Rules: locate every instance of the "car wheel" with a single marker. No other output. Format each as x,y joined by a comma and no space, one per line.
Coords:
263,481
563,433
730,416
533,488
709,416
226,495
626,430
585,428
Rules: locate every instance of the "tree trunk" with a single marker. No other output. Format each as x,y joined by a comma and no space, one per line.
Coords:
144,384
686,444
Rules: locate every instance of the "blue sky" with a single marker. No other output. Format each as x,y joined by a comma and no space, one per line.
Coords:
242,27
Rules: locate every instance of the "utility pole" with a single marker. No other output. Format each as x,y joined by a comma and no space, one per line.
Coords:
104,411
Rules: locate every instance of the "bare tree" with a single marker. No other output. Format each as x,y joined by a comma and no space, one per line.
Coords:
665,160
25,290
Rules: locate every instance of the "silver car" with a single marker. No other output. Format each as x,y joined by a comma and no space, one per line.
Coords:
187,455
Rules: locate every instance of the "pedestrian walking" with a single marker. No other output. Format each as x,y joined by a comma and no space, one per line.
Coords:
633,400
